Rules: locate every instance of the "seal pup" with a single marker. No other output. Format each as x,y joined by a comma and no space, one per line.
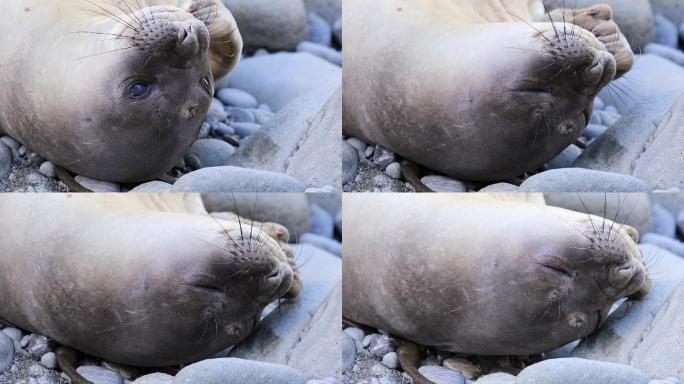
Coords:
146,280
430,268
114,90
476,89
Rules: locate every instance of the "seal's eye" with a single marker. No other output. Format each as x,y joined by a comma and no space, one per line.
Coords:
139,91
207,84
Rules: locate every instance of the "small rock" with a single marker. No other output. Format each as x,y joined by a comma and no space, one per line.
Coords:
237,98
99,375
441,375
357,335
667,32
209,153
154,378
394,171
15,335
348,352
321,222
599,104
262,117
443,184
6,351
496,378
380,345
217,111
383,157
663,221
5,161
240,115
98,185
48,170
49,360
320,32
245,129
38,345
500,187
582,180
322,51
593,131
673,245
152,186
391,360
350,162
204,131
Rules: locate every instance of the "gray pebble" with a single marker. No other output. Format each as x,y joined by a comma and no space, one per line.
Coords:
6,352
209,153
666,31
441,375
15,335
566,158
262,117
152,186
326,53
380,345
394,171
383,157
223,129
48,170
204,131
217,111
497,378
10,142
154,378
240,115
98,185
357,335
245,129
580,371
49,360
672,54
594,130
38,345
5,161
348,352
99,375
599,104
664,223
321,222
391,360
443,184
237,98
320,32
612,109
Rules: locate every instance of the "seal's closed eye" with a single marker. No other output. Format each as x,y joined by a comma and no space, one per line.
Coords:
139,91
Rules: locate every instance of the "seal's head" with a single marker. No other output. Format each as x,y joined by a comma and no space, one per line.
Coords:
142,85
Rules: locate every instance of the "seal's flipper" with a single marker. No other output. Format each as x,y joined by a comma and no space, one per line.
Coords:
409,357
67,359
225,47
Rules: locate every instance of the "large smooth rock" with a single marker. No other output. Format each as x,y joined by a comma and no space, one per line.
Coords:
582,180
634,17
271,24
237,371
632,209
649,145
652,76
672,9
667,32
283,336
330,10
672,245
664,222
634,333
497,378
234,179
154,378
279,78
209,153
288,209
304,140
580,371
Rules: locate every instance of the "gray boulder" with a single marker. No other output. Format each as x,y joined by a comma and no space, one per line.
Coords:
580,371
330,10
237,371
279,78
304,141
233,179
582,180
272,24
646,144
673,9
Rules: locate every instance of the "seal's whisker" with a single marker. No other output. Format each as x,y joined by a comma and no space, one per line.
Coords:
531,26
132,14
588,215
237,211
109,17
104,53
112,14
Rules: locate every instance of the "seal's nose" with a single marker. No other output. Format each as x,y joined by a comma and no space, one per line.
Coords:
277,283
620,277
187,43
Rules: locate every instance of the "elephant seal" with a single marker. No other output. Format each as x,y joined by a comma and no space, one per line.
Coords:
147,280
114,90
476,89
484,275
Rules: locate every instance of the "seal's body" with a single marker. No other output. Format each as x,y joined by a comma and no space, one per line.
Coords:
475,89
147,280
481,276
112,89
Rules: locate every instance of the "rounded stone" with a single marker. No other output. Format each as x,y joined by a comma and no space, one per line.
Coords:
580,371
237,98
237,371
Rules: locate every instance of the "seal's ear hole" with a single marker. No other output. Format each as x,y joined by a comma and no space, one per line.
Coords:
632,232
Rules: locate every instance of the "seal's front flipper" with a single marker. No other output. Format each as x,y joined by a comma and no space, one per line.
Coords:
225,46
67,359
409,357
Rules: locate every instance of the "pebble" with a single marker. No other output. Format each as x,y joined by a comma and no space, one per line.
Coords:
204,131
5,161
49,360
599,104
217,111
322,51
154,378
393,170
357,335
673,245
500,187
465,367
370,150
348,352
262,117
208,153
237,98
237,371
580,371
99,375
6,352
245,129
320,32
380,345
383,157
10,142
611,109
441,375
240,115
38,345
15,335
391,360
566,158
223,129
330,245
48,170
497,378
350,162
444,184
98,185
234,179
357,144
155,186
667,32
608,118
